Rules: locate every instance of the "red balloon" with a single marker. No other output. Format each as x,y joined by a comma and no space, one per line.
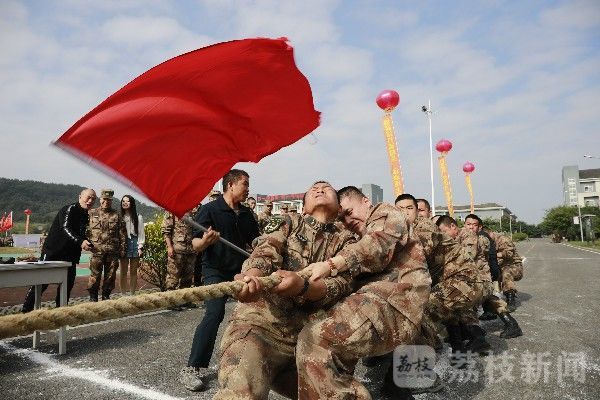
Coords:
468,167
443,146
28,211
388,100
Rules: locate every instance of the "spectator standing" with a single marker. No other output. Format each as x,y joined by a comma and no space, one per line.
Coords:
181,255
107,233
64,242
134,226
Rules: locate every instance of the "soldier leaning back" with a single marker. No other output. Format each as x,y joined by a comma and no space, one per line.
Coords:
257,349
108,234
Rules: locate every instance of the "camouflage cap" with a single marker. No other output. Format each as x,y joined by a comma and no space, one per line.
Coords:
293,208
107,193
268,203
284,206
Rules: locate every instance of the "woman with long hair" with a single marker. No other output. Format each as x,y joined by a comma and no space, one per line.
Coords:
135,243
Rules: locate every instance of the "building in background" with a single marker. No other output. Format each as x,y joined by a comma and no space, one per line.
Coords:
373,192
483,211
581,186
292,199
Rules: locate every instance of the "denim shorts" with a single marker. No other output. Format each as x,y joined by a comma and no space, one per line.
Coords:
132,247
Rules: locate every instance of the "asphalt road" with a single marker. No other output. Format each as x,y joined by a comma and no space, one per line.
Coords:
139,358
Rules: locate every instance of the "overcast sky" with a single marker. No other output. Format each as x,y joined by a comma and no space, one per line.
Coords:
513,85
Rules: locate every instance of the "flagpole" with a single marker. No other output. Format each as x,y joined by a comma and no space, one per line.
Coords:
226,242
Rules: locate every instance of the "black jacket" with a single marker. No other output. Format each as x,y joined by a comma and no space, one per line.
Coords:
240,229
66,234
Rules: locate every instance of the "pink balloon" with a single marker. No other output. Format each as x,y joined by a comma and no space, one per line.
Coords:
443,146
468,167
388,100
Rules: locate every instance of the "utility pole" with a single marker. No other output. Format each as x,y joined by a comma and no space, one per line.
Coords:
427,110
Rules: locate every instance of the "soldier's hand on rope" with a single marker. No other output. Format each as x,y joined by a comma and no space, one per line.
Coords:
291,283
252,289
318,270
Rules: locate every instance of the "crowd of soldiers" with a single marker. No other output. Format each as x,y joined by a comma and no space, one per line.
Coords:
358,280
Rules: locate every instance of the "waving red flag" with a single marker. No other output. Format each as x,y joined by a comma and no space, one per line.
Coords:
8,222
175,130
2,223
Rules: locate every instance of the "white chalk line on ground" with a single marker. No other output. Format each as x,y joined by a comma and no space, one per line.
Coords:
92,376
582,249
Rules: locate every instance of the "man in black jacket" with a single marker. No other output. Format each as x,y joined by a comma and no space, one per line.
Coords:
225,217
65,241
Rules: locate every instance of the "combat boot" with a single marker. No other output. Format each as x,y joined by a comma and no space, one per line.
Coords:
390,389
511,327
456,342
487,316
93,296
477,343
105,295
511,300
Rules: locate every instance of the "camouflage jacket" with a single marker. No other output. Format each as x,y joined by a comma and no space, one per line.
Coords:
291,243
390,263
107,231
179,232
445,256
477,247
506,251
263,219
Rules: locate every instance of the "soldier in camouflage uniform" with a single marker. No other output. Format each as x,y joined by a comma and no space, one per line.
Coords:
257,349
108,235
511,266
385,311
265,215
479,247
181,255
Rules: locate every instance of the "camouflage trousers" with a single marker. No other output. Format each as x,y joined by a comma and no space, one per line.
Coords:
99,263
452,295
180,270
490,303
510,274
329,348
255,360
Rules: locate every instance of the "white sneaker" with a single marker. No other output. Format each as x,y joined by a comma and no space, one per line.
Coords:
190,378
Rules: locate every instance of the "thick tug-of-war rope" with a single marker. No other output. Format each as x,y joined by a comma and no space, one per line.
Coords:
42,320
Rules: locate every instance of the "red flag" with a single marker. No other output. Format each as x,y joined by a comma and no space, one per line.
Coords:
8,222
175,130
2,223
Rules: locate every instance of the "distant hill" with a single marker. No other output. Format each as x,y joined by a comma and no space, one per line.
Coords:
45,199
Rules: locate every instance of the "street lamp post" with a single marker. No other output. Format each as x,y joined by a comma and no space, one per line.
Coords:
588,156
427,110
510,225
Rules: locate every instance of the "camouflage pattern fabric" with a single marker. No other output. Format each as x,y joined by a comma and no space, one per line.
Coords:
258,345
107,232
263,219
386,310
103,263
179,232
180,270
511,264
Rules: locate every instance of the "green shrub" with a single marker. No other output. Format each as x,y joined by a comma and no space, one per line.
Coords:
153,267
518,236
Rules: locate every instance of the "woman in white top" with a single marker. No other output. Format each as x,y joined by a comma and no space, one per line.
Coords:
135,243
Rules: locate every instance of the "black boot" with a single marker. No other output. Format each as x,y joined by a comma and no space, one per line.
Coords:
477,343
94,296
456,342
105,295
487,316
390,388
511,327
511,301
